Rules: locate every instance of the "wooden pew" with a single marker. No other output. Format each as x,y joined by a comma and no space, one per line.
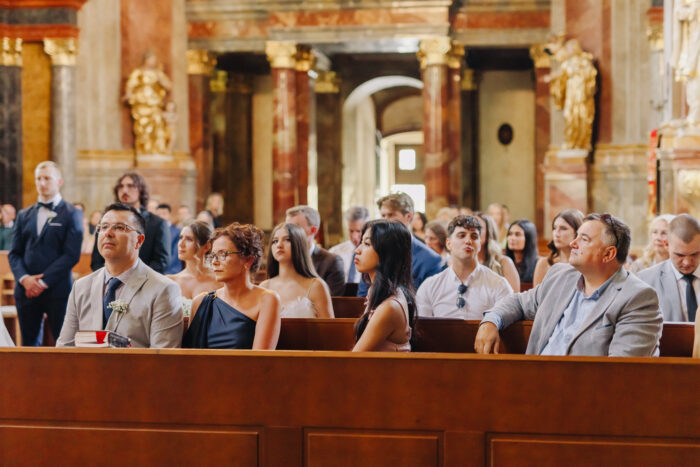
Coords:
293,409
447,336
348,307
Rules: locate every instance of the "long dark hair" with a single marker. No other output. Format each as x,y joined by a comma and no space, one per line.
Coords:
392,242
527,267
301,259
574,218
140,183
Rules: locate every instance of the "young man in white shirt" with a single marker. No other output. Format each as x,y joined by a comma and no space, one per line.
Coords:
466,289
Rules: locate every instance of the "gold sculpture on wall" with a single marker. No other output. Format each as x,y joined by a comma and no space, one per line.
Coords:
146,90
573,88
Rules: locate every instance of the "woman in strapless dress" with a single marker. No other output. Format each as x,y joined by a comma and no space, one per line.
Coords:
292,275
239,315
384,258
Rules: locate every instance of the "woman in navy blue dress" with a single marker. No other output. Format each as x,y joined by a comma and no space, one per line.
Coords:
239,315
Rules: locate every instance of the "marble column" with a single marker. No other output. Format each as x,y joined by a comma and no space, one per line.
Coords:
219,98
199,68
11,121
454,123
434,54
284,129
304,99
330,161
542,133
63,111
238,189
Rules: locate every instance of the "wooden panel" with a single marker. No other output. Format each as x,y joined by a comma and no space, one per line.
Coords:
355,449
348,307
316,334
94,445
587,451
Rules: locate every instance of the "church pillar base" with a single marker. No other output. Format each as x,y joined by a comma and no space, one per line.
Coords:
679,172
565,182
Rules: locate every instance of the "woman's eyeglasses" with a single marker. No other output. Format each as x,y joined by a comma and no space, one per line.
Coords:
220,256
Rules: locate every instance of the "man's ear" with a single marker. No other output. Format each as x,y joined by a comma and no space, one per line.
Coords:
140,240
610,254
314,230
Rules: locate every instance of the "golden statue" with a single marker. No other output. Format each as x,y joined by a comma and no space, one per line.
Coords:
573,87
145,92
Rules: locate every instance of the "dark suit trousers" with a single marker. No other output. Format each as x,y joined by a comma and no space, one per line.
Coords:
30,312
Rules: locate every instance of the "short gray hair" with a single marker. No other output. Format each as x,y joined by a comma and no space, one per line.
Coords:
356,213
312,216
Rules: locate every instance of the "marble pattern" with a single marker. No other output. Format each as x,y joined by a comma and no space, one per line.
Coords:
542,139
454,135
11,165
435,138
501,20
330,165
303,107
200,136
63,126
284,142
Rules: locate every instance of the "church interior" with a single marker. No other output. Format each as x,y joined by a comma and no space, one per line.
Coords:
539,105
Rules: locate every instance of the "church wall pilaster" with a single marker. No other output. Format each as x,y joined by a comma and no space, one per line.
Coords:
11,121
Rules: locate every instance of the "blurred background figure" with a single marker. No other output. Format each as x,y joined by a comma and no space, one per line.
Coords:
522,248
499,214
436,238
656,250
7,221
418,226
165,212
215,206
564,229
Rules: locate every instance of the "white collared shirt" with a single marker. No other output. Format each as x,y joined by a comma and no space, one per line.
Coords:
123,277
346,250
682,284
437,295
44,214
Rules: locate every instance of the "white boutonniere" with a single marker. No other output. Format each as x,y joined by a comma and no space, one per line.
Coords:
186,308
52,214
118,306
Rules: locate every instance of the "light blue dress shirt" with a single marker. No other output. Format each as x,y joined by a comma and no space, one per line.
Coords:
569,324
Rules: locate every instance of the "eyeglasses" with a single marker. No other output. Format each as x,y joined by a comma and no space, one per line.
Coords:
221,256
118,227
461,290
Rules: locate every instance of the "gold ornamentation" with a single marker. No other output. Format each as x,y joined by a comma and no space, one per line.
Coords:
686,54
573,87
200,62
281,54
455,56
62,51
468,80
327,83
219,81
11,52
539,55
655,36
153,117
434,51
304,58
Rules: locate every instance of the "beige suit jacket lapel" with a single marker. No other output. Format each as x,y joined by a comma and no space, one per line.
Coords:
132,286
96,293
603,304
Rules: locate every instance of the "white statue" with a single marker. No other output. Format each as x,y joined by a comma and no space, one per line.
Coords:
686,53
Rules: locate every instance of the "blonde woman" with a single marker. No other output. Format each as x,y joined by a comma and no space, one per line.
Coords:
657,249
491,255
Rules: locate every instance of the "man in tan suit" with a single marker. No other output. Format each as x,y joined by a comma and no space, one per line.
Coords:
125,296
591,306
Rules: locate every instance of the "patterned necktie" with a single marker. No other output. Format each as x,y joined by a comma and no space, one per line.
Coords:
109,298
691,302
352,271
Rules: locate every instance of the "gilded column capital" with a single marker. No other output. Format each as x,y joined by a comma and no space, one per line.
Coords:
304,58
539,55
219,81
434,51
281,54
327,83
11,52
200,62
62,51
455,56
468,80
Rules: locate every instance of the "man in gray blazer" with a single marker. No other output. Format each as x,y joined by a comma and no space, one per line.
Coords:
591,306
125,296
676,280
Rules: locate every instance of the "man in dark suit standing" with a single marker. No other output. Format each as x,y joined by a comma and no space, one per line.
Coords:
328,266
164,211
131,190
45,246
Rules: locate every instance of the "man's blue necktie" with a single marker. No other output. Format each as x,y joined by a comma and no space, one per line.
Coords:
352,271
691,302
109,298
